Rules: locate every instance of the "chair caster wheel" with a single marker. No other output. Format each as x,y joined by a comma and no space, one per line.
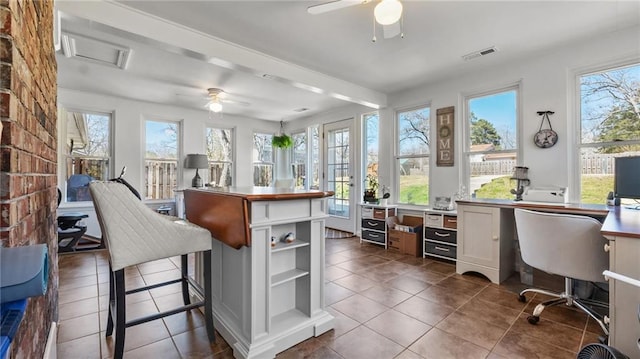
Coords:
522,298
533,319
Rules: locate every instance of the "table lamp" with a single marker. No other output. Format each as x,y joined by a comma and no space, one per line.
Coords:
196,161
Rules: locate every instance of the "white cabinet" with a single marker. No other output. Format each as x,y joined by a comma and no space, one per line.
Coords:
624,327
440,234
485,241
374,223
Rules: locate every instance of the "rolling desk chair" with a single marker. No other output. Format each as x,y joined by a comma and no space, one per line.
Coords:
567,245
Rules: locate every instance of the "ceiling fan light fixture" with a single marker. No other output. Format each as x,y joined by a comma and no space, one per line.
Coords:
388,12
215,105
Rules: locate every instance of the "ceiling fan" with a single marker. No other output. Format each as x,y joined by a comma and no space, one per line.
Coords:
217,97
387,13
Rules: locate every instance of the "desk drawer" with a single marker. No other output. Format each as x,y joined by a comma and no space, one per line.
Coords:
432,220
441,235
373,224
440,249
373,236
451,222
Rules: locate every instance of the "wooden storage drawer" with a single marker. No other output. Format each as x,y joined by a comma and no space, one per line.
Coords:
373,236
450,222
440,249
395,244
432,220
441,235
373,224
380,213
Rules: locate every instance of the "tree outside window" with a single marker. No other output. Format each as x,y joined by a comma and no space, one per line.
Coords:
412,160
609,127
220,155
88,152
161,159
371,144
492,148
262,159
299,162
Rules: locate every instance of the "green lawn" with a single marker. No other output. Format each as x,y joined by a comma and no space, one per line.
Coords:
594,188
414,189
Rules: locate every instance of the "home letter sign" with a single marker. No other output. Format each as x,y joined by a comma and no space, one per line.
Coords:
444,128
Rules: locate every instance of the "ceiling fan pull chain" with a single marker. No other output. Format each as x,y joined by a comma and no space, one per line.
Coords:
374,29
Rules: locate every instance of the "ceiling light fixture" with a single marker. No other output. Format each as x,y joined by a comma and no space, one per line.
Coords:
388,12
214,104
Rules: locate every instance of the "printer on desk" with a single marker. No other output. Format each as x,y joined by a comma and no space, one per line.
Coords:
546,194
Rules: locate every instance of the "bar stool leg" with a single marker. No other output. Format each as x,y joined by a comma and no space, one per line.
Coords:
120,313
184,268
208,296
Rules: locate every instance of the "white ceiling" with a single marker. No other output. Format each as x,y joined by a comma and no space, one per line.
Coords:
319,62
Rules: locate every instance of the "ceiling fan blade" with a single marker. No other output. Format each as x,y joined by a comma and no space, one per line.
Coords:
234,102
333,5
393,30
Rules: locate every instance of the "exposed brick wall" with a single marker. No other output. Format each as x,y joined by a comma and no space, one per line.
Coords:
28,158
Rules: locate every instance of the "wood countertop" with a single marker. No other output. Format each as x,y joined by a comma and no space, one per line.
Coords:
265,193
619,221
226,212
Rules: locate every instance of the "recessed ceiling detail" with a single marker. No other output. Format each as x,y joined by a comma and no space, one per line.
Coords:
94,50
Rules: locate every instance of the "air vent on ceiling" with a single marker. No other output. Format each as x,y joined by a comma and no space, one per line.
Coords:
483,52
301,109
94,50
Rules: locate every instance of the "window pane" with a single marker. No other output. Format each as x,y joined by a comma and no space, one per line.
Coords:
315,155
88,142
299,159
413,156
220,154
493,122
262,160
161,159
609,108
609,114
413,132
371,143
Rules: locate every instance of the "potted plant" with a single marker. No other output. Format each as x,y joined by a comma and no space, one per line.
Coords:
371,189
282,141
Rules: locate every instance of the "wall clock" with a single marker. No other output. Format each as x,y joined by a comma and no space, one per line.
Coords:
547,137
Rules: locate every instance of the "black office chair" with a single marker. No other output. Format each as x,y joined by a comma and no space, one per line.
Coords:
70,231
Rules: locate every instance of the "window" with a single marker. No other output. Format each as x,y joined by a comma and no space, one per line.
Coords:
412,159
315,159
299,162
161,159
87,152
491,147
609,127
371,136
262,160
220,154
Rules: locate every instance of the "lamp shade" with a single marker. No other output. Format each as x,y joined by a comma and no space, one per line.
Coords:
195,160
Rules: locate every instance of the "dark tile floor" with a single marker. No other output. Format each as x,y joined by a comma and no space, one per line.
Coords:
386,305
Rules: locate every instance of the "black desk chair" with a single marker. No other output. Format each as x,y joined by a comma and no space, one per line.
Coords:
69,229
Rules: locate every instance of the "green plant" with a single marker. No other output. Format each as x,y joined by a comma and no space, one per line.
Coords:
372,183
282,141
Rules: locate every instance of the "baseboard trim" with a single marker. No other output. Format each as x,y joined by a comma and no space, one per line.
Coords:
50,350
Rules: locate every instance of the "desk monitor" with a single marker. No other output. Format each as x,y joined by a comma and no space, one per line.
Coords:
627,177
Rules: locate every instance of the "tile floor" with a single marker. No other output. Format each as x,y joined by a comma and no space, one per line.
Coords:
386,305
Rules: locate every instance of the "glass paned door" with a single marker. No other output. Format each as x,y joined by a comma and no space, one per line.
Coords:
339,175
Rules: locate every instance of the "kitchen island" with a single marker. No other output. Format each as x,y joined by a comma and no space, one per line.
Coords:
268,294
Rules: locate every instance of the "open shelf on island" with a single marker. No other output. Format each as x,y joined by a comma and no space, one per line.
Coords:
281,246
289,275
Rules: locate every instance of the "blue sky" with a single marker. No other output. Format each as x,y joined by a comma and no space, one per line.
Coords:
499,109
